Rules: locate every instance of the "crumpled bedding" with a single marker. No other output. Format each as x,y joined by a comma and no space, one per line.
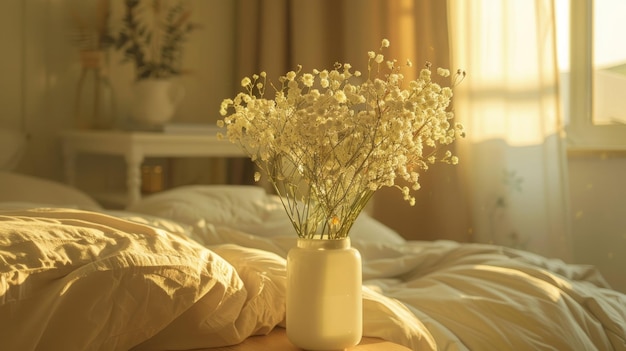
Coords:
123,280
444,295
77,280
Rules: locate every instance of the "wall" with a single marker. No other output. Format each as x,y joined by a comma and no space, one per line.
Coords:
39,70
598,209
11,64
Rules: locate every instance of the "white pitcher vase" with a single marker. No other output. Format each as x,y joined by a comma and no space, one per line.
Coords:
155,101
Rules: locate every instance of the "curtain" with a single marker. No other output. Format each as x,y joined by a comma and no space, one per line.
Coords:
513,160
276,35
510,187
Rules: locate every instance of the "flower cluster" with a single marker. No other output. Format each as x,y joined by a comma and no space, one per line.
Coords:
327,140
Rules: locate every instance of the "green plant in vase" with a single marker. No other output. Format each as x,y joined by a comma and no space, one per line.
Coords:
152,37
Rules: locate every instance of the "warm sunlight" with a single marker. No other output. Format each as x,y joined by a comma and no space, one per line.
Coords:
608,24
500,46
286,201
609,59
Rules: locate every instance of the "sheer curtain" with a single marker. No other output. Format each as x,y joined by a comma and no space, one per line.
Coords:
513,160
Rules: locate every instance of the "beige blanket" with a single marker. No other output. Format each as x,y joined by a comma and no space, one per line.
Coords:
79,280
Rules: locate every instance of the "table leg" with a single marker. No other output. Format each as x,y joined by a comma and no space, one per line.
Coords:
133,176
69,166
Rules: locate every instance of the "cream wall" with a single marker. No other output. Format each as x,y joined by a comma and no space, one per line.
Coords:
39,71
598,206
11,64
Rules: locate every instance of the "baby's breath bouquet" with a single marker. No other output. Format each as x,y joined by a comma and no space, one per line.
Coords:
327,140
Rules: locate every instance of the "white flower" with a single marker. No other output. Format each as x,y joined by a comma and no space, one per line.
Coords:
307,80
443,72
328,140
340,96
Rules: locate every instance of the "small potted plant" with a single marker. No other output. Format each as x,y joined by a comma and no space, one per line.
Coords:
152,37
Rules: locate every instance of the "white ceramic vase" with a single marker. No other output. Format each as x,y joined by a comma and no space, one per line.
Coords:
155,101
324,300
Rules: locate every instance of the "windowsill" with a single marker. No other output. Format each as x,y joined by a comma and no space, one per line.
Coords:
594,147
589,137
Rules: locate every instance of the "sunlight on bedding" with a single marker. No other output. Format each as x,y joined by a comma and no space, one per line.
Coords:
160,290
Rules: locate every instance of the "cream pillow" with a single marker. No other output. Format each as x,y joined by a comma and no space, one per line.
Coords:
16,187
244,208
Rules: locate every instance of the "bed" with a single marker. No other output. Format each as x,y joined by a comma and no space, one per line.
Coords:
200,267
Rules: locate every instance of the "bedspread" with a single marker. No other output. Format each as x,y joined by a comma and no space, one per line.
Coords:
445,295
77,280
117,281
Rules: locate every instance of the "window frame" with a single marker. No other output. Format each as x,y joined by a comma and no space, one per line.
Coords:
582,133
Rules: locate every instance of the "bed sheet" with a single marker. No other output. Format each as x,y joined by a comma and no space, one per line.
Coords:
71,277
437,295
444,295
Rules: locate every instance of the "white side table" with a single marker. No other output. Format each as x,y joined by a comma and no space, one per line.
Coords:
136,146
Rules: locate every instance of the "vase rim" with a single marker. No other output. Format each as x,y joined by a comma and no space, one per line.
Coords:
323,244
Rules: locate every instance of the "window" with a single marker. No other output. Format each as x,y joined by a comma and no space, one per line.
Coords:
592,61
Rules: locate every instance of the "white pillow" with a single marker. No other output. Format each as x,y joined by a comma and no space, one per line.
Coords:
21,188
12,144
244,208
